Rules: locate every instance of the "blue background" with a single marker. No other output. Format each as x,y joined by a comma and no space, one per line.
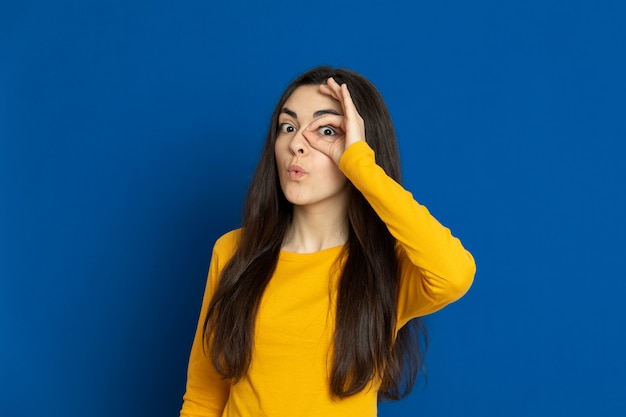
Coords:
129,130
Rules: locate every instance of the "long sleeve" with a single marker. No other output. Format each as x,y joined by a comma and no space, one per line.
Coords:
435,268
207,392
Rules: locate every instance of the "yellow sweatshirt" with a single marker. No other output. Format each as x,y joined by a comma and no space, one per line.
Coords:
290,367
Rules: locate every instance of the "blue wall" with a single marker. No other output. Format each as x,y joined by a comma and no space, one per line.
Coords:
128,132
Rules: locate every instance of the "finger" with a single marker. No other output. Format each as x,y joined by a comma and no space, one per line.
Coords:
321,142
334,86
347,102
352,123
332,83
326,90
332,149
340,93
325,133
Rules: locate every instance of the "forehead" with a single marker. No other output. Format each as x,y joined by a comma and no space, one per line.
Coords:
307,99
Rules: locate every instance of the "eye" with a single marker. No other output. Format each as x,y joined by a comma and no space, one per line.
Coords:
327,131
286,128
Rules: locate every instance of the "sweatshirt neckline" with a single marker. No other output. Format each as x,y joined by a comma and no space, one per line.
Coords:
311,256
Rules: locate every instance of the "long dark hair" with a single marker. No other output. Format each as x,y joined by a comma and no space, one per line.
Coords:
366,345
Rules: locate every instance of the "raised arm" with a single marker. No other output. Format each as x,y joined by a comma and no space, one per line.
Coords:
435,268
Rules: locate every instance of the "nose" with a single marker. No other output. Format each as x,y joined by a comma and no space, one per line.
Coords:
299,145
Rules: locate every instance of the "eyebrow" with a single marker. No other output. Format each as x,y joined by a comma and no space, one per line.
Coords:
317,114
325,111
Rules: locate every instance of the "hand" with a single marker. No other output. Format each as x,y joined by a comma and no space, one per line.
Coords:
347,129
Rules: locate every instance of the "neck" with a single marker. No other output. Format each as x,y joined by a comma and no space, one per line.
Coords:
313,231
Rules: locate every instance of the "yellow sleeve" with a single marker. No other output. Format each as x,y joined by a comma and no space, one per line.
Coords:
435,268
207,391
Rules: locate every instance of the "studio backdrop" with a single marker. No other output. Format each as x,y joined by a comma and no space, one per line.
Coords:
129,131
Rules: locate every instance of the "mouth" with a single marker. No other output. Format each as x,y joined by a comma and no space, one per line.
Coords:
296,172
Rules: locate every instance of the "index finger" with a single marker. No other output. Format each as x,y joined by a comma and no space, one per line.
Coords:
341,93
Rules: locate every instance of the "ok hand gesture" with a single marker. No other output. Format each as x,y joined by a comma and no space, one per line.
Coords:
351,123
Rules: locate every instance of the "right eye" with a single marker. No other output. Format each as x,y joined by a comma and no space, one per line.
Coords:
327,131
286,128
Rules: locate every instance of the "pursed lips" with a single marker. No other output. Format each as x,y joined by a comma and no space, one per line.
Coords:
296,172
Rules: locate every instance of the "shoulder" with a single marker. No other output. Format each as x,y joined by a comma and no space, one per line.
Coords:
223,250
226,245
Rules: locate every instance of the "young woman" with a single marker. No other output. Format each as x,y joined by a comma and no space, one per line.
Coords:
312,307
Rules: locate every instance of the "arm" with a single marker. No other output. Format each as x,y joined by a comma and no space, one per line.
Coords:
207,392
435,269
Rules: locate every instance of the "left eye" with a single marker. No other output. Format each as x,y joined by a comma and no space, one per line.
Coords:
327,131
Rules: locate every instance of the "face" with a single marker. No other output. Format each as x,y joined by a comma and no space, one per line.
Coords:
308,177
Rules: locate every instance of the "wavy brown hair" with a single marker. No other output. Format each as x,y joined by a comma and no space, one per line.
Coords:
366,345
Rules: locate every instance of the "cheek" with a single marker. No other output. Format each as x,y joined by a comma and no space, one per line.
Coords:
335,176
279,159
280,149
277,156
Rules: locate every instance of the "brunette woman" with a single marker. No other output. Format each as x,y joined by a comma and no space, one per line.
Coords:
312,308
